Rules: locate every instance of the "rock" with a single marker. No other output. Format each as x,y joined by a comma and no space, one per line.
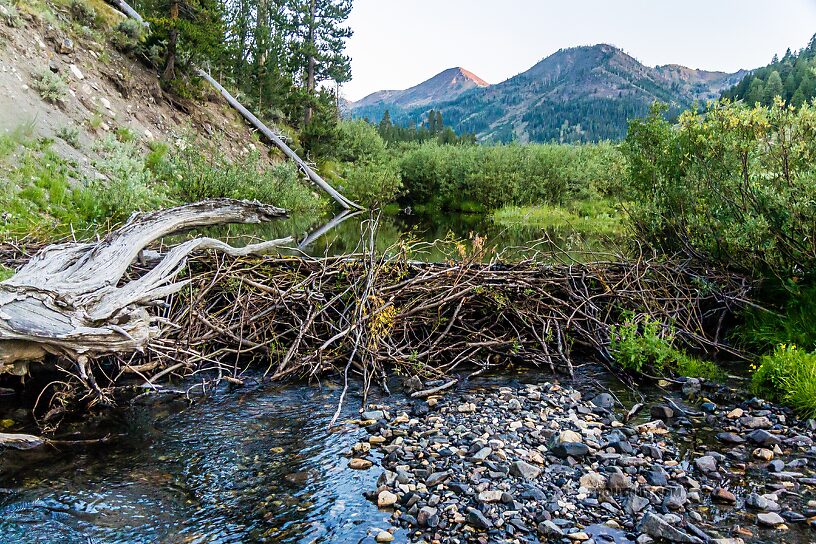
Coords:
730,438
724,496
386,499
384,536
372,414
360,464
763,454
466,408
520,469
514,405
657,426
548,528
77,73
763,438
604,400
676,497
692,387
770,519
620,482
478,520
437,478
425,515
593,481
661,411
569,436
736,413
706,464
53,66
65,46
482,454
636,504
658,476
758,502
656,527
490,496
569,449
579,536
759,422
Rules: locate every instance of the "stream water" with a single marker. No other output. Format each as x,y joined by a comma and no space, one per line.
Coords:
251,465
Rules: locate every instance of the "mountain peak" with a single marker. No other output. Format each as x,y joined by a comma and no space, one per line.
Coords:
444,86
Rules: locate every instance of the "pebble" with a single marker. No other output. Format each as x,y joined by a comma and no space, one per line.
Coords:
770,519
360,464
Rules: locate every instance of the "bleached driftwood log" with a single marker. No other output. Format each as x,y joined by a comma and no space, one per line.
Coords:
68,299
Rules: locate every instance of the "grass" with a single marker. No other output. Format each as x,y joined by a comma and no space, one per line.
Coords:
45,196
5,272
69,135
600,217
645,346
791,324
788,375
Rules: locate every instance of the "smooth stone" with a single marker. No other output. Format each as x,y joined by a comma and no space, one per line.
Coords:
569,436
604,400
384,536
570,449
386,499
763,438
770,519
723,495
360,464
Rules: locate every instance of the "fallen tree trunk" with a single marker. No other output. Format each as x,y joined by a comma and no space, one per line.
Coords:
70,299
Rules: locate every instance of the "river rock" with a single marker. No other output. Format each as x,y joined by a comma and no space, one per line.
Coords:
569,436
604,400
386,499
521,469
763,438
384,536
706,464
763,454
661,411
360,464
478,520
656,527
723,495
570,449
770,519
490,496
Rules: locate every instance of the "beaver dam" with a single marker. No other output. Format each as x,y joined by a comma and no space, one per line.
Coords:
119,318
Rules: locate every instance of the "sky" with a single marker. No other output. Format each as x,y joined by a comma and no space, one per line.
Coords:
399,43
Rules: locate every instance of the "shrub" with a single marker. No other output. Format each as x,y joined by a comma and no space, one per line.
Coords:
128,35
9,13
734,186
70,135
83,13
789,375
51,86
646,346
129,185
791,322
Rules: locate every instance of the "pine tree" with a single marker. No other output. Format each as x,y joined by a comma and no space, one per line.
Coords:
773,87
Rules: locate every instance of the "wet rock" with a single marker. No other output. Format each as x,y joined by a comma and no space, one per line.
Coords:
386,499
770,519
706,464
376,415
763,438
692,387
384,536
730,438
656,527
724,496
360,464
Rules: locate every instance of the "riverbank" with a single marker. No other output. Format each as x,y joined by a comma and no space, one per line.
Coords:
542,462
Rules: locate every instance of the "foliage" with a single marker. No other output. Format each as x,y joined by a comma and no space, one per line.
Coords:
511,175
51,86
793,78
789,375
5,272
84,13
793,323
128,35
433,128
646,346
734,186
196,171
601,217
367,170
70,135
9,14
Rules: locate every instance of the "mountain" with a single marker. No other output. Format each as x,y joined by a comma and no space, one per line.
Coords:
578,94
444,86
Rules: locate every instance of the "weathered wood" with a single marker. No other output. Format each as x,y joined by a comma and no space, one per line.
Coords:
68,299
266,131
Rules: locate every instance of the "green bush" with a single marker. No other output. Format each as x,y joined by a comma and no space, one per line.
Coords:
510,175
70,135
789,319
367,172
51,86
789,375
646,346
128,35
734,186
84,13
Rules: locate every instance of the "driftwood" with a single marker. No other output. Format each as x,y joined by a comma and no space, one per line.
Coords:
70,298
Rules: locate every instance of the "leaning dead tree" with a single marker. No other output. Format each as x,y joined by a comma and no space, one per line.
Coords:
70,299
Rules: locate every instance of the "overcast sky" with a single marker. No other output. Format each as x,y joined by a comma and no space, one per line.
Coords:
399,43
